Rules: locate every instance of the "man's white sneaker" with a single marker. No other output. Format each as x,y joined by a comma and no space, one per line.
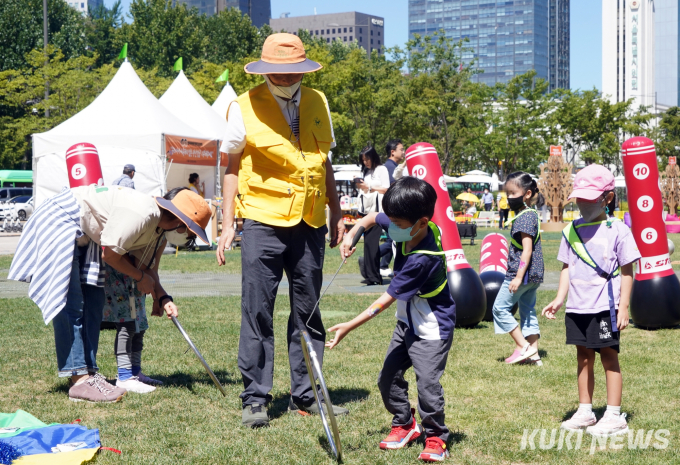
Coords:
135,385
580,420
609,425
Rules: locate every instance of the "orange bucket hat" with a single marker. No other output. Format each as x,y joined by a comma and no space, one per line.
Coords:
191,210
282,53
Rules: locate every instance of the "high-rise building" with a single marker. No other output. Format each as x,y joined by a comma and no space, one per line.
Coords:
259,10
83,5
205,7
641,52
507,38
667,52
367,30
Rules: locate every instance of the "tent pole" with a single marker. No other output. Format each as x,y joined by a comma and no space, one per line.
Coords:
218,187
165,161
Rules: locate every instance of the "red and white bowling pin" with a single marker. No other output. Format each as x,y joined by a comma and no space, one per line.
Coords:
465,285
83,166
423,163
494,253
646,208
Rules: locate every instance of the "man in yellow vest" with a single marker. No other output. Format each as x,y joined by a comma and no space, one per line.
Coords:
279,179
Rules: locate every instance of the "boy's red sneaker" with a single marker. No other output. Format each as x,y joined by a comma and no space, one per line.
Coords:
402,435
435,450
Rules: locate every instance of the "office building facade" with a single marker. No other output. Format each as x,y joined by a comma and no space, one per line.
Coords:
643,36
667,52
259,11
83,5
506,38
367,30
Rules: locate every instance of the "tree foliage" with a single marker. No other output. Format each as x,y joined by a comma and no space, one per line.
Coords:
422,92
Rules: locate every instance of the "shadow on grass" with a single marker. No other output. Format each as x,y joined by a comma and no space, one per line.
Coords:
480,325
279,404
599,413
188,380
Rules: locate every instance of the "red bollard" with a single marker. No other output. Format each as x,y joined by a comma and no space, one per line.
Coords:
82,164
654,302
493,264
466,288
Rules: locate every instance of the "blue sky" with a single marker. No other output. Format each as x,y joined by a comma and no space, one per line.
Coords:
586,28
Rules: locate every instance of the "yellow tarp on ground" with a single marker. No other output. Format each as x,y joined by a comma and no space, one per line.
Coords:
75,457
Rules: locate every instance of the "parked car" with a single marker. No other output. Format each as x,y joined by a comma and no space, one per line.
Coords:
24,210
8,207
7,193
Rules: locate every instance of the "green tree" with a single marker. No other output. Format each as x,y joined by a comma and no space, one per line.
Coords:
160,33
668,144
21,30
103,32
232,36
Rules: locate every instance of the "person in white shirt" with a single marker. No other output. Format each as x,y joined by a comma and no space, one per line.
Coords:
376,181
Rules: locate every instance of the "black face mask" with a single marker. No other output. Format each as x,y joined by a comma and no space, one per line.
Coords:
515,203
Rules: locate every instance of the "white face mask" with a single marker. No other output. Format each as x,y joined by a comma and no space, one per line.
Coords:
176,238
591,210
283,92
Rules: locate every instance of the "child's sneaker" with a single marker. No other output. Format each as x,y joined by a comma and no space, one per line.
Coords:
135,385
435,450
609,425
580,420
150,381
402,435
534,360
521,354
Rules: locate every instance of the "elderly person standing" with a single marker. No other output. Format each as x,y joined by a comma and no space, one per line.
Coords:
60,255
279,179
125,179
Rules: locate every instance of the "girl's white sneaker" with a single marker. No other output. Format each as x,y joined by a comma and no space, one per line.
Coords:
609,425
135,385
580,420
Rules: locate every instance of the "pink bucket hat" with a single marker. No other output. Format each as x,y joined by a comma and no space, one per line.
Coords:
591,182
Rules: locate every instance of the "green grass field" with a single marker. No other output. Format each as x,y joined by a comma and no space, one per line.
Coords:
488,404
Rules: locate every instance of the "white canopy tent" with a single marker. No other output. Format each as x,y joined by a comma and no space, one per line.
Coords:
182,100
126,123
221,104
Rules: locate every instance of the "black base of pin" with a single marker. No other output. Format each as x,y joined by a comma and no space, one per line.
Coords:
492,281
655,303
468,293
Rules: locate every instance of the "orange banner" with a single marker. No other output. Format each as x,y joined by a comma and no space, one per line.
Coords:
191,151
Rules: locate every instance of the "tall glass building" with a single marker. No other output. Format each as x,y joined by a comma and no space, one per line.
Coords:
507,37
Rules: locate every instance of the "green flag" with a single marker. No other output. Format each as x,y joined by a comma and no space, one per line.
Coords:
224,77
123,52
178,65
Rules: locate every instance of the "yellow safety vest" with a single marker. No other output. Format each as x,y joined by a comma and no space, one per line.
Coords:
282,180
435,284
538,234
572,237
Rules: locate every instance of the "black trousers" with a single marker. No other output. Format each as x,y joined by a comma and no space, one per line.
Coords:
372,254
386,252
266,252
504,214
428,359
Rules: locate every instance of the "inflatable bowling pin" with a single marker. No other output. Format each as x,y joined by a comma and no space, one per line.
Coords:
82,164
466,288
654,302
493,264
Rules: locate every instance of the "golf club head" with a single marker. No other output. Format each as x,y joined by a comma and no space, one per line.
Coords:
330,424
218,385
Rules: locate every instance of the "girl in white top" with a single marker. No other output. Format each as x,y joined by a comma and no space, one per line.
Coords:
375,183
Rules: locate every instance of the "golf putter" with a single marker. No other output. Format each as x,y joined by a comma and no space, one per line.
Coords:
357,236
200,357
330,425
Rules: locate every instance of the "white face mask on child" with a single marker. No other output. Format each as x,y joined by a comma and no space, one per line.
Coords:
591,210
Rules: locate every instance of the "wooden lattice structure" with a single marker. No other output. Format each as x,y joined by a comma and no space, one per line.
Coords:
670,187
555,184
